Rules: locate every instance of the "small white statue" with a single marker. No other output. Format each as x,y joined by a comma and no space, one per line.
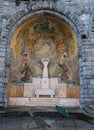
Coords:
45,62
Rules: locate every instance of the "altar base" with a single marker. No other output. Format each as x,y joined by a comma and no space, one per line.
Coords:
67,102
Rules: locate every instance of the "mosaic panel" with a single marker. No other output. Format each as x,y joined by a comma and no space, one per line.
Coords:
44,37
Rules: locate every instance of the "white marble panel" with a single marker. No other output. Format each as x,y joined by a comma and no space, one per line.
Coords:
69,102
61,90
18,101
53,82
29,89
44,83
37,82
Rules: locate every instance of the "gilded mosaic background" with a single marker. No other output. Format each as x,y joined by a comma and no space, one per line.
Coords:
44,37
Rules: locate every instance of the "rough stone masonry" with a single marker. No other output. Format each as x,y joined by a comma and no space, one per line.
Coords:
79,14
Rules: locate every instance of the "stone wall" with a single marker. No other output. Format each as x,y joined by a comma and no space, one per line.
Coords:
80,18
1,88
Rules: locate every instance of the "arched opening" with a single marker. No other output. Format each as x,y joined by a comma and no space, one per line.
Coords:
50,38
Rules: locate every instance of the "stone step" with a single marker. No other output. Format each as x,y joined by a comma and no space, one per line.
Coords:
91,107
18,101
89,117
89,111
43,101
38,104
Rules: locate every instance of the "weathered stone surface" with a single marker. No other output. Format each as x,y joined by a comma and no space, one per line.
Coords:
74,14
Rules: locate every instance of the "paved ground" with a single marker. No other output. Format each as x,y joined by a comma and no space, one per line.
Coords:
20,123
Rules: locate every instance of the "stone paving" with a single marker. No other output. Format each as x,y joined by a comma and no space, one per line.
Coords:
20,123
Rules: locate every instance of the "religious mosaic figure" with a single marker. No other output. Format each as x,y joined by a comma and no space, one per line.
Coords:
64,72
44,39
26,72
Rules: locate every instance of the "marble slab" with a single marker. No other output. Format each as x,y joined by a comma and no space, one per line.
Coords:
53,82
18,101
29,89
45,83
61,90
67,102
37,82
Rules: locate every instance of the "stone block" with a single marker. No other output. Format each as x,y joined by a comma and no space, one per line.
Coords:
2,54
67,102
53,82
43,101
44,83
29,90
2,59
2,64
18,101
37,82
61,90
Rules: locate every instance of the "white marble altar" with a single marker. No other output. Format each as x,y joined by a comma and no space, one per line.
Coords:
34,89
44,86
44,83
37,92
35,95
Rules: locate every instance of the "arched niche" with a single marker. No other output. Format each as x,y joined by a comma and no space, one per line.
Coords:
44,37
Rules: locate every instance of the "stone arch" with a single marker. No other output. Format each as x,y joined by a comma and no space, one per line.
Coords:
84,11
92,25
22,16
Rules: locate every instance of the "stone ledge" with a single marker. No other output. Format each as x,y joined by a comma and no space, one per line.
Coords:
21,101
